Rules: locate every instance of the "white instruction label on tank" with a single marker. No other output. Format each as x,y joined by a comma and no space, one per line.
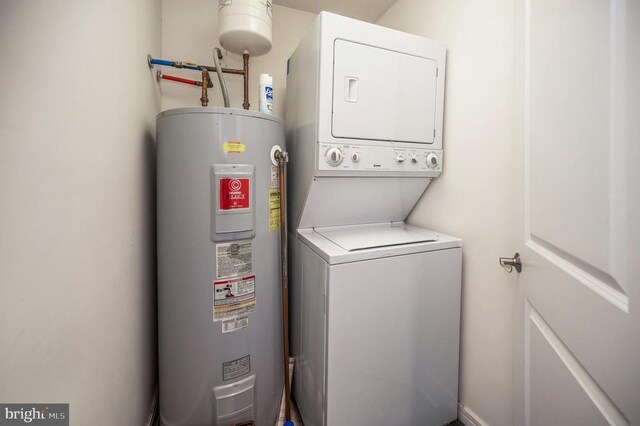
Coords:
236,368
234,297
234,324
233,259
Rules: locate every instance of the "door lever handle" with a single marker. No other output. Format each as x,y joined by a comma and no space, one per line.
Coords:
508,263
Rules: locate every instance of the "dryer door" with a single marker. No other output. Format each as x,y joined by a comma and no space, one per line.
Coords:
381,94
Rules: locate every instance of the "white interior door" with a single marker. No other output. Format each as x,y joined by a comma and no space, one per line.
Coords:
578,329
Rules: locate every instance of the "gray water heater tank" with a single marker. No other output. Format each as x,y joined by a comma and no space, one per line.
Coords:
219,300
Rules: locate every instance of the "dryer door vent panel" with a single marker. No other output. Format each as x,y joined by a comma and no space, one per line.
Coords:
381,94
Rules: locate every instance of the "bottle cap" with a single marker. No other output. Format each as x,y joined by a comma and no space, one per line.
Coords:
266,79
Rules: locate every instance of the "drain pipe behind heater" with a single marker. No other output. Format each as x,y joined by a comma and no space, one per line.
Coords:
281,158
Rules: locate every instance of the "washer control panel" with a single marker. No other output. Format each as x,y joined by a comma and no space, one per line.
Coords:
367,158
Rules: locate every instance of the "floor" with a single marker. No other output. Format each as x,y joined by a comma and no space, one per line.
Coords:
297,421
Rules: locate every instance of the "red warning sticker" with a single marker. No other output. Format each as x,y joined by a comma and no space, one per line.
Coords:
234,193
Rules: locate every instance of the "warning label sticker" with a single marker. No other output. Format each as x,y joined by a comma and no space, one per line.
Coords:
235,324
233,259
234,297
274,209
234,193
233,147
236,368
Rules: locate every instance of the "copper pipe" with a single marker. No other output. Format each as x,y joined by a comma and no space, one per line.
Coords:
245,60
211,69
206,81
227,70
282,158
205,68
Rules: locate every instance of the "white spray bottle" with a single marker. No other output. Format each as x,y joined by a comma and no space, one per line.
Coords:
265,94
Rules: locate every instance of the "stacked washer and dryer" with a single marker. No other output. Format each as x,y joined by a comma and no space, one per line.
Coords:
375,302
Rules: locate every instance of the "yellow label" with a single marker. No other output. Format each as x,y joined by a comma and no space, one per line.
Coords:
234,147
274,209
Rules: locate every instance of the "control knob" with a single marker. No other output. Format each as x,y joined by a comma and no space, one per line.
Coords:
355,157
432,160
334,157
414,159
400,158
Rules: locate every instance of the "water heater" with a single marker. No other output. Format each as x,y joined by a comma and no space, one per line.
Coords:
219,301
245,26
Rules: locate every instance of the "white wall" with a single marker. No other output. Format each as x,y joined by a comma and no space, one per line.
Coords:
474,198
77,227
189,33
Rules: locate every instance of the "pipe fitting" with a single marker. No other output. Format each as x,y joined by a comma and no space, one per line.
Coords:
204,99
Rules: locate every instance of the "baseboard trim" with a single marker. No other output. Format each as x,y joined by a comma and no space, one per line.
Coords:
468,417
154,409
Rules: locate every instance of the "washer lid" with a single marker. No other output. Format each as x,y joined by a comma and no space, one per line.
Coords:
368,237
